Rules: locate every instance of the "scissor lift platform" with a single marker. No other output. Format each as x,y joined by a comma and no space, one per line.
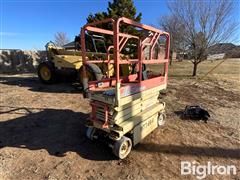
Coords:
125,109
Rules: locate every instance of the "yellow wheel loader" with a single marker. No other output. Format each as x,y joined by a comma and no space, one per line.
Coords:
67,62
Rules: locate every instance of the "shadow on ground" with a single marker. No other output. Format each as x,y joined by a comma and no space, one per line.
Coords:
57,131
190,150
62,131
33,83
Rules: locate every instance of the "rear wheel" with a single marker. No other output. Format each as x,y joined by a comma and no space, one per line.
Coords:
122,147
161,119
46,72
93,73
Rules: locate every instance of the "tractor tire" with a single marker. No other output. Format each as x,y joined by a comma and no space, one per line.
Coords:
122,147
96,71
93,73
135,68
46,72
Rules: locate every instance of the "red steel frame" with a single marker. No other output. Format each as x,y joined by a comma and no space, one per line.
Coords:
120,39
119,44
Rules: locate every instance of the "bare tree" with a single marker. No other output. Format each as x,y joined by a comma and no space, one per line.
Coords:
61,38
202,24
176,30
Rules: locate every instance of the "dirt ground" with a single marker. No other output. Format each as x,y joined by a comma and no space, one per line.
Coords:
42,133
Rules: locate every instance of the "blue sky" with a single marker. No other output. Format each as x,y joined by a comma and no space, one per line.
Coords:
29,24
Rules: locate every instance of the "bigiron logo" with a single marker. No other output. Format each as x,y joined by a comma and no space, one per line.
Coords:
202,171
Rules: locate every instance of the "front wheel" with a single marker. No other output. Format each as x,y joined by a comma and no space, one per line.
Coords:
90,132
46,72
122,147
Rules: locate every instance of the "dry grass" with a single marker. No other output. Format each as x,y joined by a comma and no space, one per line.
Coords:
230,67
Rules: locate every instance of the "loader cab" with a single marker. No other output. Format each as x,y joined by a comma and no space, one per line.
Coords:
94,43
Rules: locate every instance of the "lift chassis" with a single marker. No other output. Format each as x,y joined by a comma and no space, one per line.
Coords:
126,107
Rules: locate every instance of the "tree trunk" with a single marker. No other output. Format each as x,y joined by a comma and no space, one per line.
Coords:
194,69
171,57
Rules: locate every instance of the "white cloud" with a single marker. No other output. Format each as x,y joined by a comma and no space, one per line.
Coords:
10,34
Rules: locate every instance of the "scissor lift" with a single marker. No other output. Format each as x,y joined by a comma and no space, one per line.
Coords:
125,109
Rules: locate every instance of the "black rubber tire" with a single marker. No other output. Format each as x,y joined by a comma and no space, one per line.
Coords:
118,146
94,70
90,132
161,119
134,68
51,68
